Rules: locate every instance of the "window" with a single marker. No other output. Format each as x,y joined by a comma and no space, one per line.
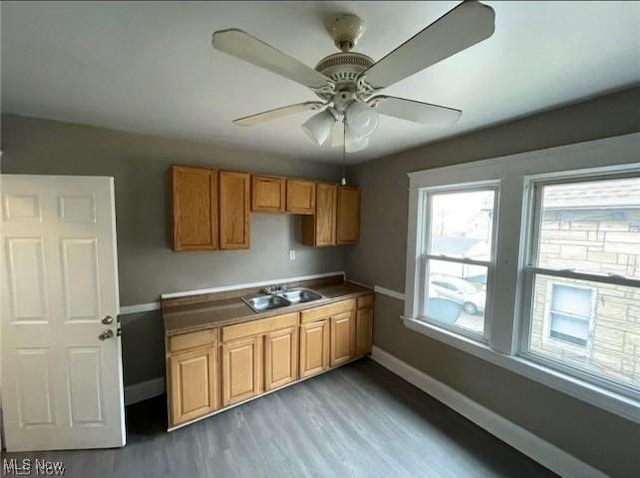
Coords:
532,262
584,279
570,313
457,256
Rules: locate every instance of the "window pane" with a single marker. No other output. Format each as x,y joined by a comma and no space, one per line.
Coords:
457,294
606,342
592,227
461,224
571,300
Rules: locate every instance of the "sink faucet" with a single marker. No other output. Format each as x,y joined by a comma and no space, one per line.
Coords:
276,289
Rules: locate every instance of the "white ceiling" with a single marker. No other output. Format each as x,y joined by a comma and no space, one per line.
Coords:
149,66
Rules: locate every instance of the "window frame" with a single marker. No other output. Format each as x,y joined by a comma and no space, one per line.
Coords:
514,174
426,256
531,234
590,320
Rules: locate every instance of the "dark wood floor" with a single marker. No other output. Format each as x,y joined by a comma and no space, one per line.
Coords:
357,421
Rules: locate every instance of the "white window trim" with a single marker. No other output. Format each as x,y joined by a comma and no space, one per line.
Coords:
425,246
514,174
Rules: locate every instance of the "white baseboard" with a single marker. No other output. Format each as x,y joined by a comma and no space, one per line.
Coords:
144,390
534,447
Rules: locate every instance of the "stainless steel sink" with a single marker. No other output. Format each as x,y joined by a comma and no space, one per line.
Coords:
297,296
260,303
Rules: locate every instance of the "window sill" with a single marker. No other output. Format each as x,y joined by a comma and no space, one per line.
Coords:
612,402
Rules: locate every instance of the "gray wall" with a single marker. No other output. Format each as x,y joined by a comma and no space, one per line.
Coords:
597,437
147,266
139,164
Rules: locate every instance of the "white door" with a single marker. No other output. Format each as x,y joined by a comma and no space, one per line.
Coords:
62,368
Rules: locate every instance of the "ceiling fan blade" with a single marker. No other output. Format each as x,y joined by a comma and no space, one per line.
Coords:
467,24
415,111
278,113
337,134
249,48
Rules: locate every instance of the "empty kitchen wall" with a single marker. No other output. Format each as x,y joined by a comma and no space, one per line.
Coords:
597,437
147,266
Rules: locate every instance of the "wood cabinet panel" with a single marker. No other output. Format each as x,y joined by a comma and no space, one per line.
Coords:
256,327
320,229
348,217
192,340
326,311
343,328
235,193
268,194
194,208
193,386
280,357
314,347
301,196
242,365
364,331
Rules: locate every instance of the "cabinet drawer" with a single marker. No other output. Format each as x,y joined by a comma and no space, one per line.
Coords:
365,301
259,326
327,311
192,340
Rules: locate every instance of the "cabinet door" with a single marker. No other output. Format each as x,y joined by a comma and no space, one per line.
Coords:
342,338
267,194
348,221
194,208
280,357
314,347
193,386
301,196
320,229
235,191
364,331
241,369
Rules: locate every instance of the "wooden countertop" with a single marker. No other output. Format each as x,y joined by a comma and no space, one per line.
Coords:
180,319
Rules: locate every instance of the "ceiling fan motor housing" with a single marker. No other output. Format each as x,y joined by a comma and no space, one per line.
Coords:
343,69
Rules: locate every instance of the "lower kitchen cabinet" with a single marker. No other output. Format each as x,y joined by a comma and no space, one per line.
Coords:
193,384
364,331
280,358
242,369
314,347
208,370
343,335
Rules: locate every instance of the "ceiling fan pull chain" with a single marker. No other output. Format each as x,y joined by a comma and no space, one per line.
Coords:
344,154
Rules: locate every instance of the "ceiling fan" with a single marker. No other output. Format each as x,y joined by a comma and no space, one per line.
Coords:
348,83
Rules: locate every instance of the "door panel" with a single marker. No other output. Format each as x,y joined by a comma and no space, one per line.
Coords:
83,372
81,278
242,366
33,383
267,194
342,338
26,278
62,386
281,358
314,347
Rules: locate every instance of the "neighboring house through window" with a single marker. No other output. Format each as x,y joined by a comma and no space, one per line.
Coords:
570,314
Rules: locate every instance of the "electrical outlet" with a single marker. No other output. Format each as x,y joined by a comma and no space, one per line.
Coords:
292,255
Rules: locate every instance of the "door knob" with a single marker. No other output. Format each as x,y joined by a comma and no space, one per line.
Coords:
108,320
107,334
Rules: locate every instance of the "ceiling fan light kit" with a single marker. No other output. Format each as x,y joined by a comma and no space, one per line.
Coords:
348,82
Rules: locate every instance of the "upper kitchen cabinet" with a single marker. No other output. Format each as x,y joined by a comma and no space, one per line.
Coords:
194,208
320,229
348,217
301,196
268,194
235,194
